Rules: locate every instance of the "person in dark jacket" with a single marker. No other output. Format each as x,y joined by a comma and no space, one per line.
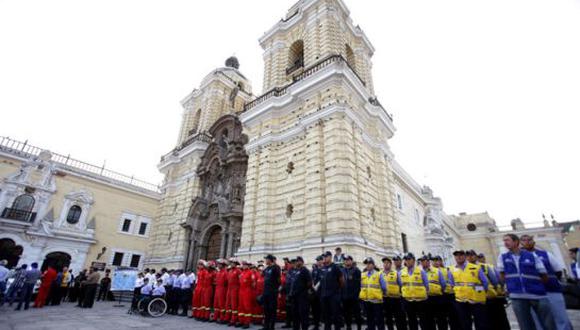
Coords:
350,293
301,283
331,282
269,298
104,286
289,278
315,292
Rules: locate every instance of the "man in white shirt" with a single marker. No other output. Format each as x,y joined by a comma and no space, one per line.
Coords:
3,278
185,292
158,289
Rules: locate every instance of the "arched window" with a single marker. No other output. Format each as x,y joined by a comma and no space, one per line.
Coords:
74,214
350,59
23,202
295,56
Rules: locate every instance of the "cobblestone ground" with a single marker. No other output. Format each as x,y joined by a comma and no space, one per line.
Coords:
105,316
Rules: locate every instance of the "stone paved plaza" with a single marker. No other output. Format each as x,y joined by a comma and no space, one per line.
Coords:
105,316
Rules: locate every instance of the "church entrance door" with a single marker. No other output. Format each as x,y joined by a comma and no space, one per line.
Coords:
214,244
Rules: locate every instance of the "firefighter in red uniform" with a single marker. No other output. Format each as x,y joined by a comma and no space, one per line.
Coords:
221,287
258,310
281,306
232,295
207,292
247,295
197,293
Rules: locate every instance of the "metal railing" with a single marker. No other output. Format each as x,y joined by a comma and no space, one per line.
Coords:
20,215
26,150
311,70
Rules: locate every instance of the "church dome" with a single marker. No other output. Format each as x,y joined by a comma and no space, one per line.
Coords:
232,62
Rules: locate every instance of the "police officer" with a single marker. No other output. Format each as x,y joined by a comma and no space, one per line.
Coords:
299,293
315,292
270,295
371,293
398,263
350,293
331,283
495,301
392,304
436,313
448,295
290,272
415,286
469,283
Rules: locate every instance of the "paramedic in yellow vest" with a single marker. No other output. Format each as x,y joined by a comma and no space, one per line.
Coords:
448,294
436,313
496,302
470,286
414,289
392,304
373,285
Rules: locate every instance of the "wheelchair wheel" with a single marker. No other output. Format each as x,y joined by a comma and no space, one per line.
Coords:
141,305
157,307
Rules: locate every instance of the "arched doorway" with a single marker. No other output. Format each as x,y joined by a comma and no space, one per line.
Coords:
214,244
56,260
10,252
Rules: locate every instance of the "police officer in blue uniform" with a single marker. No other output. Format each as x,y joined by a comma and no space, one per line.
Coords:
350,293
315,292
331,283
270,296
290,272
301,282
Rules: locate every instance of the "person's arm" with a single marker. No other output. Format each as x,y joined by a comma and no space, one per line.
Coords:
425,279
500,268
450,278
442,281
483,278
399,281
556,265
541,269
492,276
382,282
357,281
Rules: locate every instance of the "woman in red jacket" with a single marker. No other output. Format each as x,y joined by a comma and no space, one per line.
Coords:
247,295
233,293
197,293
47,278
207,292
259,310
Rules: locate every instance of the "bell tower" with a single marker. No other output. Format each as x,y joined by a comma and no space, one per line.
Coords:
319,169
209,129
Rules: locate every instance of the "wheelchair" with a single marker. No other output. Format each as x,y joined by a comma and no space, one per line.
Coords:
152,306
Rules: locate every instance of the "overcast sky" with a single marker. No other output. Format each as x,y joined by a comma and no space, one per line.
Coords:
485,94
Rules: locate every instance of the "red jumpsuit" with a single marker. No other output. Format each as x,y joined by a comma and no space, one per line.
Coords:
221,289
259,310
232,295
281,309
46,282
207,295
197,293
247,297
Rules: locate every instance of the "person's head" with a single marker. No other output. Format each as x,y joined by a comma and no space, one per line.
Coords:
140,275
299,262
471,256
24,266
152,271
338,251
397,261
327,257
146,271
319,260
573,252
64,269
348,261
481,258
159,281
511,242
527,242
146,280
269,260
34,265
163,270
409,260
387,263
369,264
425,262
459,256
3,262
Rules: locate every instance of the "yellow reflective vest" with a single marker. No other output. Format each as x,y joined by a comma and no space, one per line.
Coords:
435,288
371,290
468,287
491,291
393,288
413,286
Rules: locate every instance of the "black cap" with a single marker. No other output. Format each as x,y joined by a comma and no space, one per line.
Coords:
270,257
409,256
575,250
386,259
369,260
470,253
397,258
299,258
319,258
286,259
481,255
424,258
348,256
436,258
458,252
327,254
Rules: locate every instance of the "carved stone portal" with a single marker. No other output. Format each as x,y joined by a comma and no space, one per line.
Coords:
214,222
